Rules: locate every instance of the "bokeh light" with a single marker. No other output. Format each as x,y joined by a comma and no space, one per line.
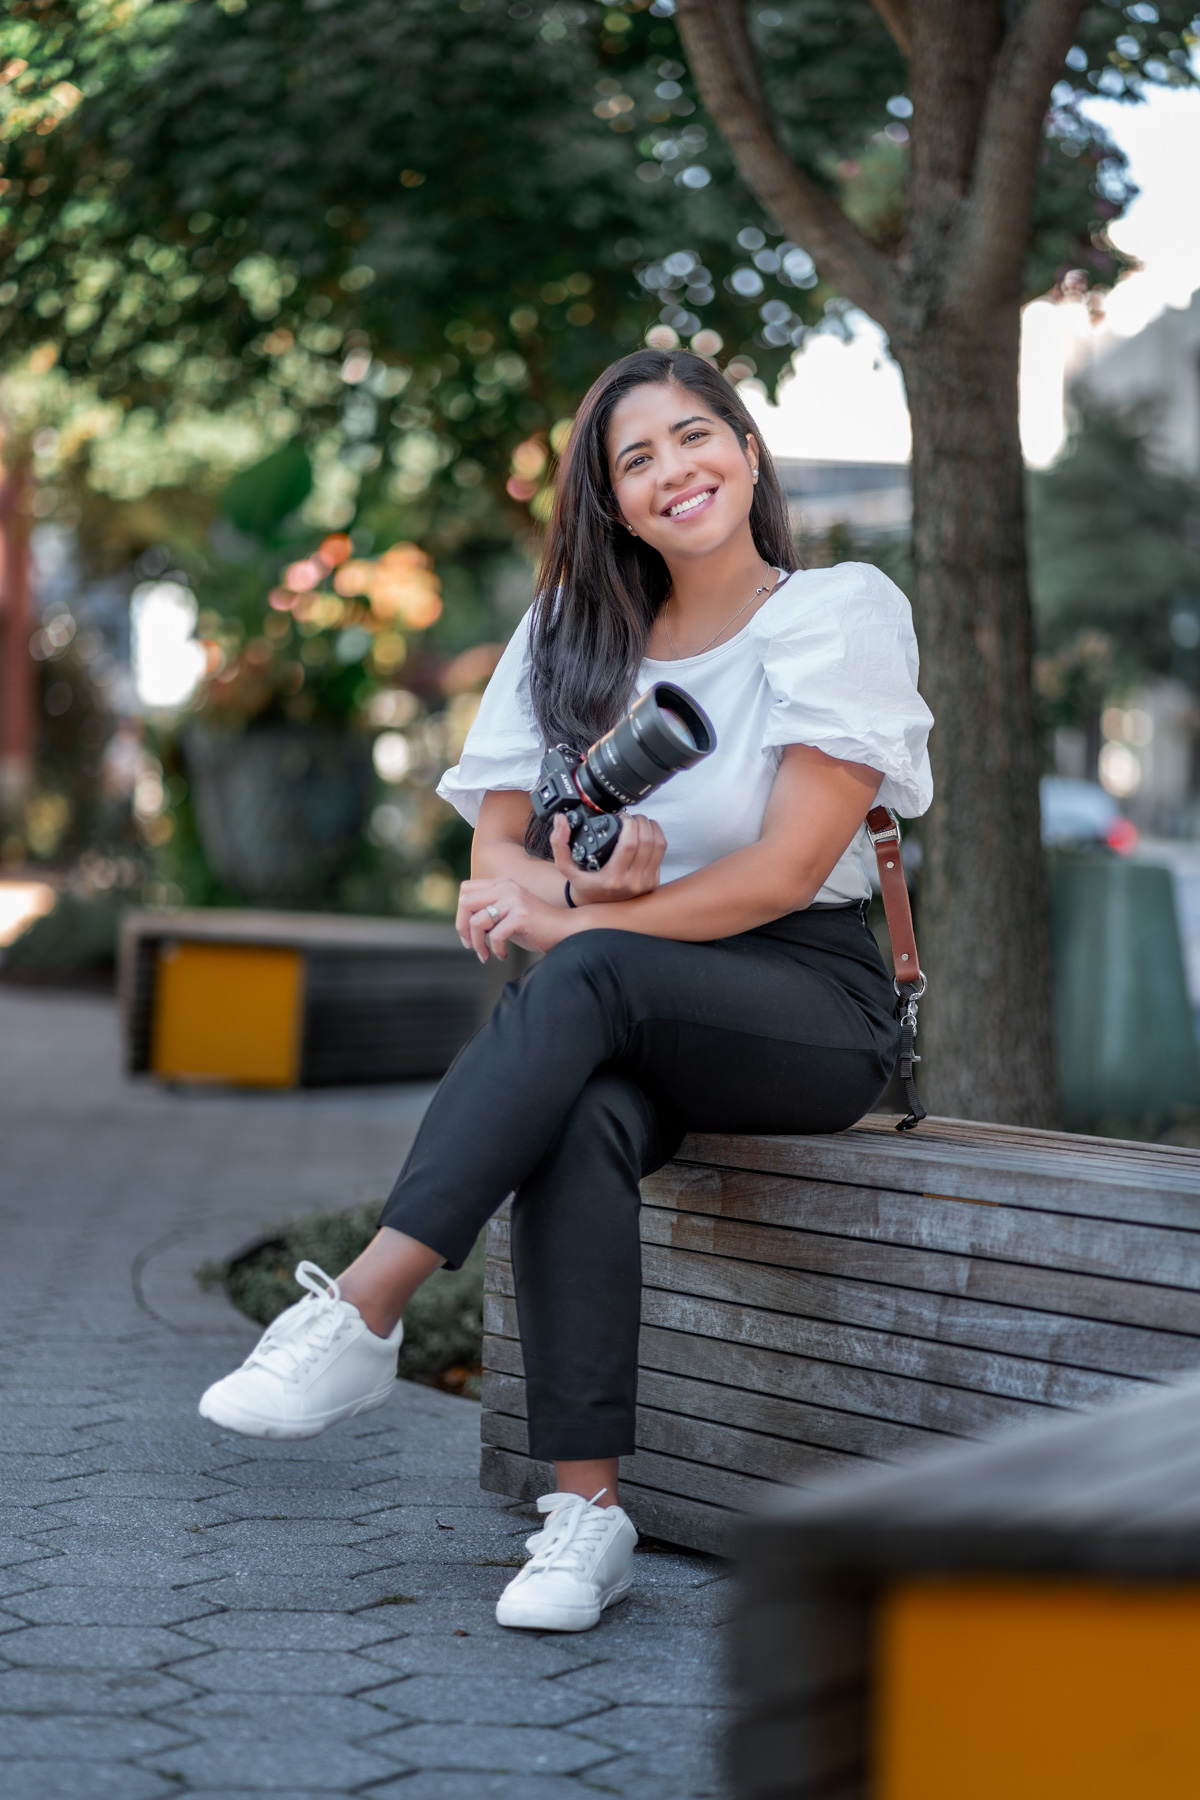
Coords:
168,663
392,756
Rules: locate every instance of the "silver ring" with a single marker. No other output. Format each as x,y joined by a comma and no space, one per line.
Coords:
494,913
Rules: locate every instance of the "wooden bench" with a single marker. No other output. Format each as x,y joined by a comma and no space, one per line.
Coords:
1020,1618
814,1304
279,999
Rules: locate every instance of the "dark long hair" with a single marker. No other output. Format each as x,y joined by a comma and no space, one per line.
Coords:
599,590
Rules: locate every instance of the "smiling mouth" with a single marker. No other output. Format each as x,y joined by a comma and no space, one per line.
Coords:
686,506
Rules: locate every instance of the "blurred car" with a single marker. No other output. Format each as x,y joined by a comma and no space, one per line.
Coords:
1082,812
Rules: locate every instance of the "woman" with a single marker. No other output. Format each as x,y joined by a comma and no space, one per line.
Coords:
717,974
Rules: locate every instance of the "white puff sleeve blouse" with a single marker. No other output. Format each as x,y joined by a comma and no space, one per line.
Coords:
830,660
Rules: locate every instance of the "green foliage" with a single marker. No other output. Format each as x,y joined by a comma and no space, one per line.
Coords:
259,499
488,214
463,182
443,1326
1113,549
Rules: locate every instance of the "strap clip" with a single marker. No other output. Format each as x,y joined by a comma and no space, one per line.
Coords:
883,829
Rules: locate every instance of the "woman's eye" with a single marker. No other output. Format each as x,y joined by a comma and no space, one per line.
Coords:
693,434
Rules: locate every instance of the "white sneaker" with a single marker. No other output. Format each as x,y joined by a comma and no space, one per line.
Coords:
317,1363
582,1562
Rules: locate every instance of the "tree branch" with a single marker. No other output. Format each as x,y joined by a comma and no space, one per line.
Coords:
722,61
990,251
894,14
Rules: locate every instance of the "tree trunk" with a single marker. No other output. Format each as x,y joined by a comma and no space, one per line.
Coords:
986,1026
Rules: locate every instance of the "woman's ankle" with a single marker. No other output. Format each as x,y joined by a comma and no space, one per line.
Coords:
377,1314
594,1479
382,1281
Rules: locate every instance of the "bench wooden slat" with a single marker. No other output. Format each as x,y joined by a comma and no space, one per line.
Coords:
1134,1182
846,1284
753,1449
1082,1246
1022,1291
1016,1324
675,1376
988,1387
1020,1310
841,1383
900,1334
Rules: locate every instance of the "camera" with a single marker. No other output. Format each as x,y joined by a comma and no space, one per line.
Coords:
664,732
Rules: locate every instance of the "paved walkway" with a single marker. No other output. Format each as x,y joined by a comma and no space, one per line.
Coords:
186,1612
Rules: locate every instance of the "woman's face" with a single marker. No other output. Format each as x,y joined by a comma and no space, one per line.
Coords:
679,473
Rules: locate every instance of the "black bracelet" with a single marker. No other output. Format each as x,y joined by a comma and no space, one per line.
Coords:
567,892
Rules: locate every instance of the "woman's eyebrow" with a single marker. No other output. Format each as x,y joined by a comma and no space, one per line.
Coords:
644,443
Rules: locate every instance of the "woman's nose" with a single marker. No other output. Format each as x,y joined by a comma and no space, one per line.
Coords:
676,470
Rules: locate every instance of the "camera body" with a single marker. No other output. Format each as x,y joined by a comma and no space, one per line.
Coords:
664,732
593,834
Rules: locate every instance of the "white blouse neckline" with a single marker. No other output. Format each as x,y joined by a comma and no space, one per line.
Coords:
703,656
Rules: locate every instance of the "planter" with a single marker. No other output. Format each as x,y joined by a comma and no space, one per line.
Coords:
279,808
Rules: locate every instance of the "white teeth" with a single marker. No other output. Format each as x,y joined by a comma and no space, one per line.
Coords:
673,512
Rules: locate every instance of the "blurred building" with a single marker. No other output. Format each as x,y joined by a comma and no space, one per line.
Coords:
868,498
1156,373
1150,758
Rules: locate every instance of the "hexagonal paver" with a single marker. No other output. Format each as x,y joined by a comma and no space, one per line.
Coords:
500,1700
502,1749
92,1647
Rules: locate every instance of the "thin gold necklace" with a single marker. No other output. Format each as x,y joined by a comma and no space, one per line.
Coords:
761,589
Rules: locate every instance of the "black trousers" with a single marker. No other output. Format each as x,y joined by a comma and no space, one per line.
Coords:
586,1077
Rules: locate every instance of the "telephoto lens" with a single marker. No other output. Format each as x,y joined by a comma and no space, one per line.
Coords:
664,732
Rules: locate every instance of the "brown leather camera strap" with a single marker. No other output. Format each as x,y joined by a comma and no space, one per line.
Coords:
884,833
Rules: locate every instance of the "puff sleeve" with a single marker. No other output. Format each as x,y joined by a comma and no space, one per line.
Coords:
503,749
840,657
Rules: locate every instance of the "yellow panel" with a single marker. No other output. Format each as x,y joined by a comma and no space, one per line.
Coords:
228,1012
1037,1690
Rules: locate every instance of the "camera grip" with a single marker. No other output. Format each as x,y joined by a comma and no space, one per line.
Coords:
593,839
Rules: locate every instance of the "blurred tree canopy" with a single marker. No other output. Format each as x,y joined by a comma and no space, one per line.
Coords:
410,232
1115,548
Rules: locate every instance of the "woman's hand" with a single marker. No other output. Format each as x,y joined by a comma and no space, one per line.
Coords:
495,913
632,869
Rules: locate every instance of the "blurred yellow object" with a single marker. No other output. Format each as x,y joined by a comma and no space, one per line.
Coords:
228,1012
1050,1689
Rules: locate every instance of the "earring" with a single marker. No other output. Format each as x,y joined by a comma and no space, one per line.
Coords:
631,531
754,474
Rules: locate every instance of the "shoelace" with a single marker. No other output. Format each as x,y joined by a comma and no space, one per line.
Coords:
305,1331
568,1538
